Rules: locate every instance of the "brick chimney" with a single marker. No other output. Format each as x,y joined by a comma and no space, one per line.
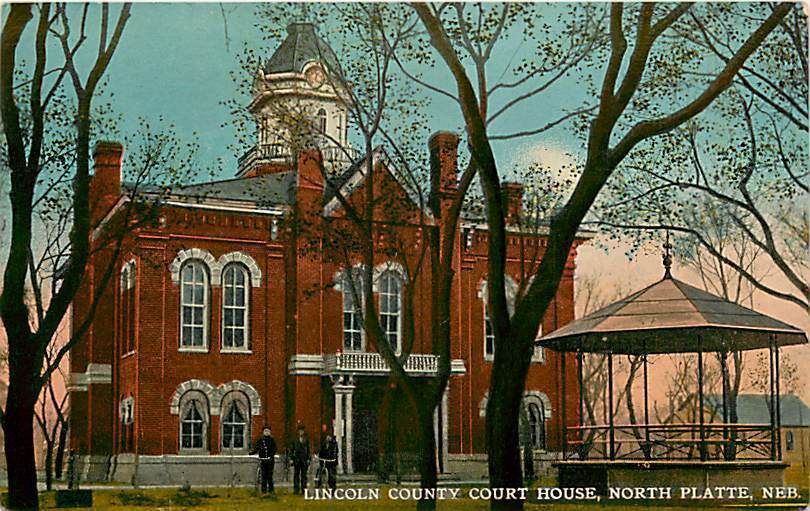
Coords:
512,201
443,147
310,175
105,187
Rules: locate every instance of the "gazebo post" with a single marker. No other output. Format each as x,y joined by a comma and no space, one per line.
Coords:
703,452
648,452
611,432
778,407
563,415
724,383
581,422
772,402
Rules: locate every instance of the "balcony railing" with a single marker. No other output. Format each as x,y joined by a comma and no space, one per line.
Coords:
373,363
263,153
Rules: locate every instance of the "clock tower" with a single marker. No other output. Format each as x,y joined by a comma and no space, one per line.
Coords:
298,103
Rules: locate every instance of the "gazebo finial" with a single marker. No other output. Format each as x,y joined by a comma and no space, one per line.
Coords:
667,258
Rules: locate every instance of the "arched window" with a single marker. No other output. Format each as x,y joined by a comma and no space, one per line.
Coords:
538,355
193,422
790,441
537,424
489,332
321,120
235,422
489,336
352,319
126,410
127,309
390,289
194,305
235,302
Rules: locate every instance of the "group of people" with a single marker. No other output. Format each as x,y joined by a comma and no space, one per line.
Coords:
299,453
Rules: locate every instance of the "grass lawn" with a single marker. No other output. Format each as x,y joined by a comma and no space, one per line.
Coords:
241,499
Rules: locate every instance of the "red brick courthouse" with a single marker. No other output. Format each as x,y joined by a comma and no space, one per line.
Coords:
221,318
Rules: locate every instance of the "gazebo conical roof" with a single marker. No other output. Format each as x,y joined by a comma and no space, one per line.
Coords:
671,316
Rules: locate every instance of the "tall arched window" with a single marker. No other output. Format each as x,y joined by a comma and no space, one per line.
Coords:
235,422
489,332
235,302
489,336
194,299
127,308
193,422
390,289
352,319
321,120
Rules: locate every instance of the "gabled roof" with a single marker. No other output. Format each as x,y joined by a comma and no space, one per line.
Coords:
301,46
349,180
753,409
671,316
336,182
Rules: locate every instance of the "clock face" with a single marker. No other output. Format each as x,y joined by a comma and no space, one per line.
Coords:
315,76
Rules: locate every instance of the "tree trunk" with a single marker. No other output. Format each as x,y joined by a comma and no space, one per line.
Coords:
503,412
60,450
18,426
427,455
49,466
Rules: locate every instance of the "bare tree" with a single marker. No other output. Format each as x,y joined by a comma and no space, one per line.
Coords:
27,153
50,117
752,176
614,132
52,417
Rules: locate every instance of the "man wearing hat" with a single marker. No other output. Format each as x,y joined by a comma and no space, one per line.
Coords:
300,457
265,447
328,458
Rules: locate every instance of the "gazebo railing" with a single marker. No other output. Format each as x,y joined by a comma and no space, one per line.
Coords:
724,442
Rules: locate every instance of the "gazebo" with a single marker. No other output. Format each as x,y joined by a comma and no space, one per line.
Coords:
671,317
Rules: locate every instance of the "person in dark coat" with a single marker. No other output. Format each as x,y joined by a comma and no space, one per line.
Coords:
328,459
300,459
265,447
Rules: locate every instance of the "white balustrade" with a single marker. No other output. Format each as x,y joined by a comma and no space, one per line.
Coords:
373,363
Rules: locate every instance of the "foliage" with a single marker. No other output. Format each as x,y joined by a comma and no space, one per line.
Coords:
734,179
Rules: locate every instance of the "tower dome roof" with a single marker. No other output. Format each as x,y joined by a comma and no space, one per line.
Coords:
301,46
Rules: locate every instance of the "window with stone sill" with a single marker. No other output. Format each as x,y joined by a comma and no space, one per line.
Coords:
126,309
194,306
489,332
390,295
235,422
537,424
352,319
539,354
235,307
194,420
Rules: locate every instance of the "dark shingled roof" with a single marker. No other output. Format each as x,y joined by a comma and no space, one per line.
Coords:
266,190
753,409
302,45
671,316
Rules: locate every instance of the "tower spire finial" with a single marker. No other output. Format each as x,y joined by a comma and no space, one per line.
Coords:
667,258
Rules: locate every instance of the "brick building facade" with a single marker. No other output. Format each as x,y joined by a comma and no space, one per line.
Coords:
223,318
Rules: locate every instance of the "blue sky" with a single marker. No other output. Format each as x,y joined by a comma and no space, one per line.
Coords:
174,63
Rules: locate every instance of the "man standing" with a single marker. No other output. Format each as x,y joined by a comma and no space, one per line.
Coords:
265,447
328,455
300,456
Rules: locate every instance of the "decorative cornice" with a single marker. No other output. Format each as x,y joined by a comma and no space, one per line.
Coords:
303,364
94,374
